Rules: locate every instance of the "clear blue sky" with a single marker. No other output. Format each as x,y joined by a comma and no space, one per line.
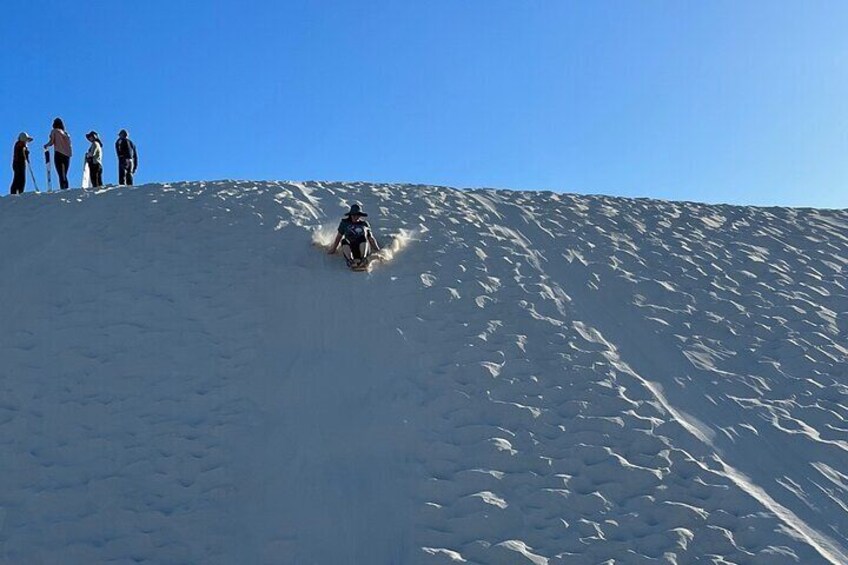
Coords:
719,101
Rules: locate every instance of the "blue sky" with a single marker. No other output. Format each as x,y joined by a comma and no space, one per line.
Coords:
720,101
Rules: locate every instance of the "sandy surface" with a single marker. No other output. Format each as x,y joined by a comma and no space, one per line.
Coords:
186,377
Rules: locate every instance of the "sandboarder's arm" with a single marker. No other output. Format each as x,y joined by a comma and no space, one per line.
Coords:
335,243
373,241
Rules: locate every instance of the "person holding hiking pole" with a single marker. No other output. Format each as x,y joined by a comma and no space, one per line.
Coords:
61,142
20,161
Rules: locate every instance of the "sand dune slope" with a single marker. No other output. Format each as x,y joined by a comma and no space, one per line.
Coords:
186,377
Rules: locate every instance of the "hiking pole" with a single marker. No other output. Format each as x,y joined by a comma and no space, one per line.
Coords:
47,163
32,176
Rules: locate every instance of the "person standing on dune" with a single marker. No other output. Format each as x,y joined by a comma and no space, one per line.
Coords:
20,160
127,158
61,143
94,159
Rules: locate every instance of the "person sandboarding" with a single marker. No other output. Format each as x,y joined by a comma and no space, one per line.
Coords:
356,238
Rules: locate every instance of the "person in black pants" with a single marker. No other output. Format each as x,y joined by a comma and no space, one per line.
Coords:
63,163
20,159
127,158
94,159
61,142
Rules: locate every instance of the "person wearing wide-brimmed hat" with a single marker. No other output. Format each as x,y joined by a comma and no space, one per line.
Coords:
20,160
356,238
94,159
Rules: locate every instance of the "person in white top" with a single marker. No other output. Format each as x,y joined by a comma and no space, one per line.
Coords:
94,159
61,142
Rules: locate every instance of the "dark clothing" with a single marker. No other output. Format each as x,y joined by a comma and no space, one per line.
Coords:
360,251
125,149
20,153
20,158
95,174
127,160
125,171
63,163
18,178
354,233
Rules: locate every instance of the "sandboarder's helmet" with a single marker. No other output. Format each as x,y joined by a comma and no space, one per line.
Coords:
356,210
24,136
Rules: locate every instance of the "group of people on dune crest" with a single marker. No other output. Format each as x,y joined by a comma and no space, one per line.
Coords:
354,234
60,141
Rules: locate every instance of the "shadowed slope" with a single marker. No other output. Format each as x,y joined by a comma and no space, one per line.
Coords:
532,378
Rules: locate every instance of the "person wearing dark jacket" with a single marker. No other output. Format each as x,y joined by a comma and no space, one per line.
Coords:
61,143
20,160
127,158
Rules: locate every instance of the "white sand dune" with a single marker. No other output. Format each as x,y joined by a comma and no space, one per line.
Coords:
526,378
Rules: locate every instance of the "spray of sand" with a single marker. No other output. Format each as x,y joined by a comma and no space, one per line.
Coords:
324,235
